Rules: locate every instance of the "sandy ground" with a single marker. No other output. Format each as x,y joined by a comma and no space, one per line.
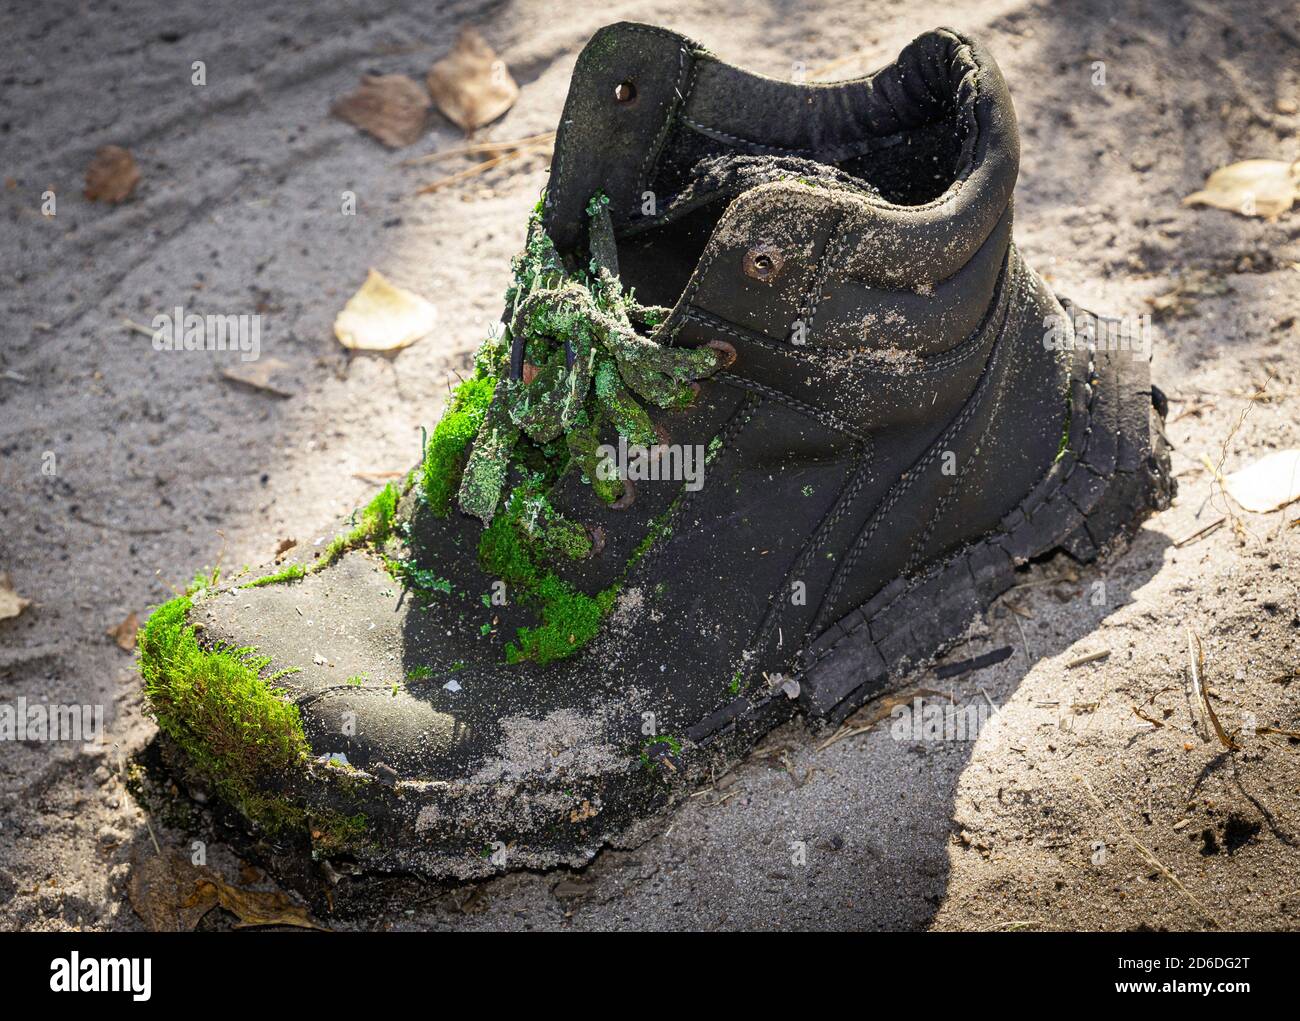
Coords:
1069,812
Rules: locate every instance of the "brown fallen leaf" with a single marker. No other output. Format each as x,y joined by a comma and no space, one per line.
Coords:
270,375
112,175
391,107
383,317
124,633
259,907
162,892
472,85
11,603
1264,188
171,894
1268,484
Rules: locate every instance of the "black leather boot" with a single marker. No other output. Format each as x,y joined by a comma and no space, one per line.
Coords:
777,410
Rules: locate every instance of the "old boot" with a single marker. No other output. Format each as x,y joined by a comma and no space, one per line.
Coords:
776,410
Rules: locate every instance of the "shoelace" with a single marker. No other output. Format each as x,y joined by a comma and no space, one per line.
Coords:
576,356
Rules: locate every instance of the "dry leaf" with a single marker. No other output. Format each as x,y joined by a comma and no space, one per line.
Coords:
124,634
383,317
265,374
112,175
163,894
472,85
11,603
171,894
1268,484
1251,188
391,107
257,907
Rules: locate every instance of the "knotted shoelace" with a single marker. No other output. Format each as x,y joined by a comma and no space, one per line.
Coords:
576,356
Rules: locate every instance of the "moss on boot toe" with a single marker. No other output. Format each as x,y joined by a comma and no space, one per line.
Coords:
231,723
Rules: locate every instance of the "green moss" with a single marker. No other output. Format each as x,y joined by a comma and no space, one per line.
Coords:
424,581
502,550
204,579
550,534
375,527
656,749
290,572
660,528
569,618
1065,433
583,443
333,832
445,454
234,727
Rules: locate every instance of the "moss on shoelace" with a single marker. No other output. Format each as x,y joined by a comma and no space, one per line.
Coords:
589,368
587,362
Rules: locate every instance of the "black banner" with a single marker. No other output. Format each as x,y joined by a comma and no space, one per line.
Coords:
336,971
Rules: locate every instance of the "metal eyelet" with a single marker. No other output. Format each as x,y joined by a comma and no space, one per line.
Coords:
725,352
627,499
625,92
763,263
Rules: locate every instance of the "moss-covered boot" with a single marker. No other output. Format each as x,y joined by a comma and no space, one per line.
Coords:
777,409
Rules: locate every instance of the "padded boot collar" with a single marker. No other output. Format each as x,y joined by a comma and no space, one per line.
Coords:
635,86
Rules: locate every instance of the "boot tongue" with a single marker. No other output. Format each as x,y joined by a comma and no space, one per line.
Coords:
718,178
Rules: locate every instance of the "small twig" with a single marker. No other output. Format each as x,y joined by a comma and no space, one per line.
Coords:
1196,666
1146,853
1029,660
1091,657
879,711
1200,532
1216,469
1277,730
474,171
152,837
478,148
